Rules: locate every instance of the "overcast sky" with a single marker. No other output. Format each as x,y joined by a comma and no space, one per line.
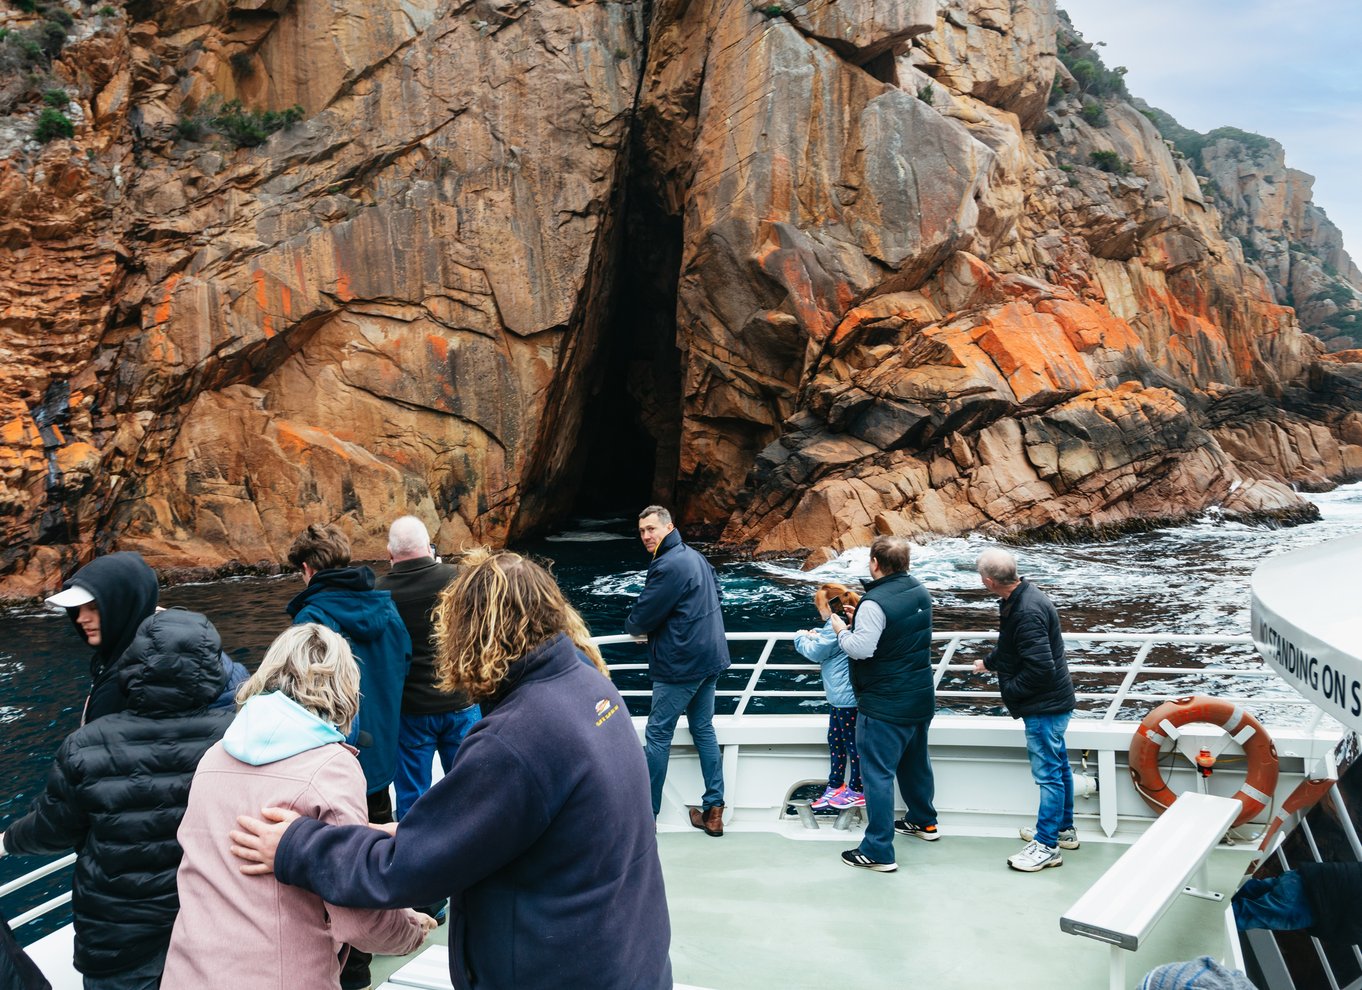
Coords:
1291,71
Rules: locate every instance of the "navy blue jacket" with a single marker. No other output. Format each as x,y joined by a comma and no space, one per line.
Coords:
344,599
894,684
1033,675
678,610
541,834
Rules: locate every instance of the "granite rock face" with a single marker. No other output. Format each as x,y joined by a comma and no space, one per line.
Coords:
388,307
863,265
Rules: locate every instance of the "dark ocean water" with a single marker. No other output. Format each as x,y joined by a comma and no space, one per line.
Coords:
1189,579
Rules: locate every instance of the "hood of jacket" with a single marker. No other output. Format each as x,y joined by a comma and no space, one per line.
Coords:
173,666
272,727
350,599
125,591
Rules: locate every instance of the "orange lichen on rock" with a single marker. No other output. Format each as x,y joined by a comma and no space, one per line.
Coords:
262,302
1033,352
1088,326
162,314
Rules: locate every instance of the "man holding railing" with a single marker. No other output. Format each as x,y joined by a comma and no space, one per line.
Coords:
1033,677
678,610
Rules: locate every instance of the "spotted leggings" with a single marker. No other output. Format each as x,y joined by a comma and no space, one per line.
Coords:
842,748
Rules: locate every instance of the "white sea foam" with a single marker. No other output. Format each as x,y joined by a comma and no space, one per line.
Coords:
586,536
621,583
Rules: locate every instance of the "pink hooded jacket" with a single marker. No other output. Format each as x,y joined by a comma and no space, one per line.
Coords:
252,931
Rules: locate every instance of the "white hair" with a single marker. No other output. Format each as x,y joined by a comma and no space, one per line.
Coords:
998,565
407,538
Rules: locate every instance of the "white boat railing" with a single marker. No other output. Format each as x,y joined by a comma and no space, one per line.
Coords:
33,876
1110,702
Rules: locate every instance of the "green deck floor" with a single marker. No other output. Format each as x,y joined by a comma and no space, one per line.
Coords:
760,910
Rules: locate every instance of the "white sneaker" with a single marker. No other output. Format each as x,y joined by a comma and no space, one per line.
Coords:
1068,837
1035,857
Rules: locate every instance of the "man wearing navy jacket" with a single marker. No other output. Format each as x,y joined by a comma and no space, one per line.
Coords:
679,612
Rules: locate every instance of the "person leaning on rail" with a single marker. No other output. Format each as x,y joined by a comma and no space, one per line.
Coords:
540,835
679,611
1033,677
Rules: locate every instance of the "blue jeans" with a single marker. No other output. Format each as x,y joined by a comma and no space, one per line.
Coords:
1051,771
1277,903
696,699
418,737
888,751
146,976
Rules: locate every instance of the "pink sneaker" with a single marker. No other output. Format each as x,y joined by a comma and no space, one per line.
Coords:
847,798
828,798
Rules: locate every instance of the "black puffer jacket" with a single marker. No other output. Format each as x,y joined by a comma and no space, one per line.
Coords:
118,789
1033,675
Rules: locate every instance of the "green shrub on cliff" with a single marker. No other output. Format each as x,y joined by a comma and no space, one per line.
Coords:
53,124
1255,143
1190,143
248,128
1094,113
1086,66
56,98
50,36
1109,161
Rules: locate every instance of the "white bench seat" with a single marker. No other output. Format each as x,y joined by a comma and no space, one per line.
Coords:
1125,904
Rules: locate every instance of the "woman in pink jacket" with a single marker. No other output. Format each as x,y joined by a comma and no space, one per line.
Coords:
284,748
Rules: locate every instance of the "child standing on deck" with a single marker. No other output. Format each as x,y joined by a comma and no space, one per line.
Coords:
820,646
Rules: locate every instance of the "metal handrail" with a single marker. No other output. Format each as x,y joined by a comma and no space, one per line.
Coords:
18,883
1131,671
45,870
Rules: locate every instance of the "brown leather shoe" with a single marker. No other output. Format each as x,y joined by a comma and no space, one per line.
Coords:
712,821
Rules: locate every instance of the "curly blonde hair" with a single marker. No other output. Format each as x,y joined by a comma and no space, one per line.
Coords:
499,608
312,665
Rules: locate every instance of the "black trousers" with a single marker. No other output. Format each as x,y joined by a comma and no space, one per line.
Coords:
355,972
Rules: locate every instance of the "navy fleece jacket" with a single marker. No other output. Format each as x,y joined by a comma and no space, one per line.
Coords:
344,599
678,610
541,834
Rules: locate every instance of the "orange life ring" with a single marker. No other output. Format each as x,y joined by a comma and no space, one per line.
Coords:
1150,741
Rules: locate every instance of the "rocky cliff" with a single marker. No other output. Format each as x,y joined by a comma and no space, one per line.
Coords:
810,271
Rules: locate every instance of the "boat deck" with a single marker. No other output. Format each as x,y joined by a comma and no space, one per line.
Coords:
952,916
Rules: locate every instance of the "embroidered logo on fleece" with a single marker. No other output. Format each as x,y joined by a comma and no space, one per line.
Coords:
604,709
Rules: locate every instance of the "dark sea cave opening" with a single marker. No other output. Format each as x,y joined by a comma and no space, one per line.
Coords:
629,446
